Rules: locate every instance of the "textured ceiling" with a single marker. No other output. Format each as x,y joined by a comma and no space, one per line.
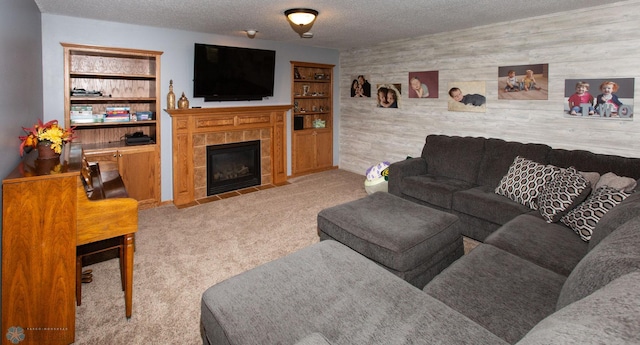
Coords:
341,24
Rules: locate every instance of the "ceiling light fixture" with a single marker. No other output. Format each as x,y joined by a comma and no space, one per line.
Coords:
301,19
251,33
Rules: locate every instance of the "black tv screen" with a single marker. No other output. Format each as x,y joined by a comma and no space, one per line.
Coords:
223,73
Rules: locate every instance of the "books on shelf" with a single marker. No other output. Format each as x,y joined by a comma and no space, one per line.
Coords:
144,115
84,114
117,114
81,110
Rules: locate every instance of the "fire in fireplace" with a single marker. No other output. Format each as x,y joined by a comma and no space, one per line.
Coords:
233,166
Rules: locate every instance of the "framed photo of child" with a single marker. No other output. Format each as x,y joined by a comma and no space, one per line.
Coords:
423,84
467,96
388,95
523,82
603,98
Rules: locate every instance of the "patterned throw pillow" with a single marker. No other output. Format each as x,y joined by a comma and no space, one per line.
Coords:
584,217
566,190
525,180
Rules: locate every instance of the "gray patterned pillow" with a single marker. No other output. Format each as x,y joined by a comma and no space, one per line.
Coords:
584,217
566,190
524,181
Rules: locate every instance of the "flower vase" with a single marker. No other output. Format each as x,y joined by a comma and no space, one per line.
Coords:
46,166
46,152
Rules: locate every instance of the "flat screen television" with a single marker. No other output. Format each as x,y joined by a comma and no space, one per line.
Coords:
223,73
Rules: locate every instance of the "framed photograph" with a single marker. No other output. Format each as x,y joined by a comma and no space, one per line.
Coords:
423,84
388,95
296,73
360,86
606,98
467,96
523,82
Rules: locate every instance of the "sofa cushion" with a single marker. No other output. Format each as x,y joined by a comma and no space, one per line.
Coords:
435,190
617,254
629,208
482,202
612,180
566,189
584,217
330,289
498,290
552,246
588,161
524,180
610,315
453,157
499,154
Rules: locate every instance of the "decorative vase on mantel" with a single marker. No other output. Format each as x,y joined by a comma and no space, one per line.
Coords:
46,152
183,102
171,97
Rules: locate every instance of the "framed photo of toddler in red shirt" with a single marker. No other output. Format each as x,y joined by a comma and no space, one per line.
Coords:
605,98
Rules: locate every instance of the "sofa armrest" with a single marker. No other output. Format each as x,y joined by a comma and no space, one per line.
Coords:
400,170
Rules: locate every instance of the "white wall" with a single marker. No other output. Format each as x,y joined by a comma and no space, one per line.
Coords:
177,64
600,42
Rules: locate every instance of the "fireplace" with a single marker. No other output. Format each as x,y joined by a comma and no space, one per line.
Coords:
233,166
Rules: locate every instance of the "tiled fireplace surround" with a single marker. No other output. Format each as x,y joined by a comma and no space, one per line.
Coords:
195,129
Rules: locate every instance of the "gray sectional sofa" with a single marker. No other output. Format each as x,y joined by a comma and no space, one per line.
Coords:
460,174
529,282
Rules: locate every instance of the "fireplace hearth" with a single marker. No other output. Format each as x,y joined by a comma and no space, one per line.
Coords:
233,166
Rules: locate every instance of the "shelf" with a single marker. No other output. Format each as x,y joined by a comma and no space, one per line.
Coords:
115,145
311,97
312,81
311,129
311,113
126,78
98,75
83,99
111,124
311,147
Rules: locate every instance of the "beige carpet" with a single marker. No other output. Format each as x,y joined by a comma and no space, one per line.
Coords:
181,252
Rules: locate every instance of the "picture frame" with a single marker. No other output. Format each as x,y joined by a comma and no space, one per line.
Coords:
599,98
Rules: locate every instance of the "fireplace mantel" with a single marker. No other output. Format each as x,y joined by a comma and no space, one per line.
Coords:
189,124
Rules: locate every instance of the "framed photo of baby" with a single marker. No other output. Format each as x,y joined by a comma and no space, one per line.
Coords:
467,96
423,84
360,86
388,95
523,82
608,98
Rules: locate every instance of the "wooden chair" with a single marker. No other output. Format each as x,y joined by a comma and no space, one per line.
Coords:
107,220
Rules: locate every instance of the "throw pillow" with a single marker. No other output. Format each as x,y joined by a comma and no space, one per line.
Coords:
584,217
524,181
592,177
610,179
566,190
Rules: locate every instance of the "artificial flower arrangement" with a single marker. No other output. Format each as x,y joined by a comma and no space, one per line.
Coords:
49,133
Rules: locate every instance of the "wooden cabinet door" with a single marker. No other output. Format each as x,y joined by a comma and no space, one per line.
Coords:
138,172
304,155
324,149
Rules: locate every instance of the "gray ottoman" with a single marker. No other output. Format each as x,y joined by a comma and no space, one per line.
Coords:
412,241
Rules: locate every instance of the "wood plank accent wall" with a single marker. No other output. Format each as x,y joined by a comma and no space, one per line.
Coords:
600,42
189,126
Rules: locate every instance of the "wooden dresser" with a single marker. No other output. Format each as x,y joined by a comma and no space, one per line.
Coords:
39,250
